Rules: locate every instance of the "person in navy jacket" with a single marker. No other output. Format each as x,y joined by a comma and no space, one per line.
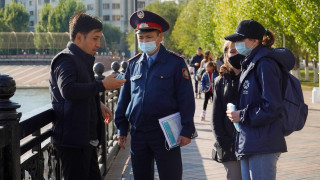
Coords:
261,139
158,84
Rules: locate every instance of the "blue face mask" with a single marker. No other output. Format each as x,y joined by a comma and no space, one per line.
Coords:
241,48
148,47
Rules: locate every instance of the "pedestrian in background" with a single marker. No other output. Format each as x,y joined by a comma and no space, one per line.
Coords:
75,100
158,84
226,91
261,139
207,86
195,62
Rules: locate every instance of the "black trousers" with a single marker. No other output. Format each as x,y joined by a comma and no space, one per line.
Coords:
79,163
149,147
196,84
207,96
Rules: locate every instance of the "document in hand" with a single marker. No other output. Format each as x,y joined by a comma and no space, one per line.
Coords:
171,127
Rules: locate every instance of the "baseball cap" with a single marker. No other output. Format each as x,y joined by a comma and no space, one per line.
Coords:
247,29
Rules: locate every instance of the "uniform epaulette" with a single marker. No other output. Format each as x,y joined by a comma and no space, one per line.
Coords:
134,56
176,54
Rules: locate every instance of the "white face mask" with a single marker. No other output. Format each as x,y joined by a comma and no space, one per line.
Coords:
148,47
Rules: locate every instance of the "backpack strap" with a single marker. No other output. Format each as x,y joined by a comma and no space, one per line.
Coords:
283,72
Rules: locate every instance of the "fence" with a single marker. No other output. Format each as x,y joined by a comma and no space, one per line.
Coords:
25,148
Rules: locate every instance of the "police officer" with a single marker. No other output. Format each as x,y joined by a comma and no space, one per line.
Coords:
158,84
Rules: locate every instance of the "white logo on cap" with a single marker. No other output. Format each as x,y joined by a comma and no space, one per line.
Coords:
140,14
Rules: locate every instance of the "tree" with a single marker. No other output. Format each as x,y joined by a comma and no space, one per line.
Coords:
57,19
186,30
112,35
169,10
14,17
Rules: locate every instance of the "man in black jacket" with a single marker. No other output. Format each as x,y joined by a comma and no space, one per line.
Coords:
75,100
195,62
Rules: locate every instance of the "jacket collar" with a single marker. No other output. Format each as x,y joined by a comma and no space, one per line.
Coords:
87,58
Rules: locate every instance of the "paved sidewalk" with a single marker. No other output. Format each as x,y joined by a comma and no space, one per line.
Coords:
302,161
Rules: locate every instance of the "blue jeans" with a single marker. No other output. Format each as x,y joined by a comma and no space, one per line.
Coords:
260,167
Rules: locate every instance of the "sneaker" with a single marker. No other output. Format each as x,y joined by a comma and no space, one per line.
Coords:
203,115
199,95
196,95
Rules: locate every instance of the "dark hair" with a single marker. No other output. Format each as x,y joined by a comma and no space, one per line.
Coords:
199,48
212,64
83,23
206,56
268,39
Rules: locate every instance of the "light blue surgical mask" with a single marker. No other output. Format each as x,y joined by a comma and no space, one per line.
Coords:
242,49
148,47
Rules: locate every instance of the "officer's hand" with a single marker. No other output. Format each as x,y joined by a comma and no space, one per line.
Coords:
111,83
122,141
183,141
106,111
234,116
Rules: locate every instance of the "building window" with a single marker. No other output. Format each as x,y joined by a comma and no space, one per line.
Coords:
115,5
105,6
106,18
141,4
31,13
39,2
46,1
31,23
90,7
30,3
116,18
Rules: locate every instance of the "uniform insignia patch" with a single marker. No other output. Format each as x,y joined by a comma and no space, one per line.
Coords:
185,73
140,14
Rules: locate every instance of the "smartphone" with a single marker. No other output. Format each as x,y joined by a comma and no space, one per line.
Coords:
120,76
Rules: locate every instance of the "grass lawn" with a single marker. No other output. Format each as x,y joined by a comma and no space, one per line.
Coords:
308,84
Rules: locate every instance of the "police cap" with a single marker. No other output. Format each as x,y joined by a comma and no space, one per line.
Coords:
146,21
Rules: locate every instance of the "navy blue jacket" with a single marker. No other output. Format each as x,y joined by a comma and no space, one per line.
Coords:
153,93
196,59
260,102
206,84
75,99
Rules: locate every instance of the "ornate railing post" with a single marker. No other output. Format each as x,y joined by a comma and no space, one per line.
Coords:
9,118
124,65
99,68
115,66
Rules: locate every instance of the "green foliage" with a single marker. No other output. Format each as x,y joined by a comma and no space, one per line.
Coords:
14,17
169,11
186,30
112,36
207,22
57,19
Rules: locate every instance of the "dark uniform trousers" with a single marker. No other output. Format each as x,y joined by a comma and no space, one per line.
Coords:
79,163
149,146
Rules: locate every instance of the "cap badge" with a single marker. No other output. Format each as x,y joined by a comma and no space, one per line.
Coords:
140,14
143,25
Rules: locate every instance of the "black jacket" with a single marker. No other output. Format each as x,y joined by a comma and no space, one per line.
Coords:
225,91
75,99
196,59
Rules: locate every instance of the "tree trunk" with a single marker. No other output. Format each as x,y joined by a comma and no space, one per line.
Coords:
306,68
